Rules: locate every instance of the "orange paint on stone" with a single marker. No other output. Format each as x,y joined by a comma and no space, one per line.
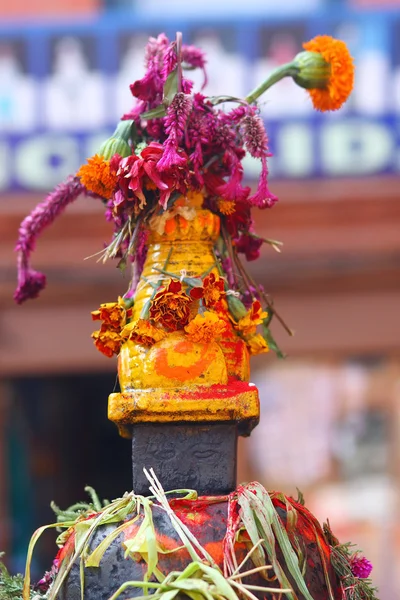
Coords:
182,373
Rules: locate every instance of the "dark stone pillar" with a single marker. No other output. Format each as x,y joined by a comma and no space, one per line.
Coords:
200,456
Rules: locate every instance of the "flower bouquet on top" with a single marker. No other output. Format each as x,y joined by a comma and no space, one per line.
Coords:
178,152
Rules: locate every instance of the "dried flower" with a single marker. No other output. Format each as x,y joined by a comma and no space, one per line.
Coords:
170,306
143,332
247,325
97,176
107,340
360,566
326,69
205,327
256,344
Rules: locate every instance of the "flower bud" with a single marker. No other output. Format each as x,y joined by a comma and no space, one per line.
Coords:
236,307
115,146
118,143
312,70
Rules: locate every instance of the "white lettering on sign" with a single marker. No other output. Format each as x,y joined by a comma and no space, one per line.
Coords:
356,147
295,150
43,161
346,147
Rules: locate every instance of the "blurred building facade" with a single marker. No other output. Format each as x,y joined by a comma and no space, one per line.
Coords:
331,411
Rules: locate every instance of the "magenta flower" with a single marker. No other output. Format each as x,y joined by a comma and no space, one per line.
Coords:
30,282
195,58
254,135
360,566
170,60
150,87
233,190
263,198
175,123
249,246
132,171
187,85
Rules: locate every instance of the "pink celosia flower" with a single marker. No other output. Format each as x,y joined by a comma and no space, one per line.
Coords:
360,566
194,57
170,60
263,198
30,282
254,134
150,87
233,190
187,85
175,123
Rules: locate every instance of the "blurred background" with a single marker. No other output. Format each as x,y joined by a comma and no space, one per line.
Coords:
331,411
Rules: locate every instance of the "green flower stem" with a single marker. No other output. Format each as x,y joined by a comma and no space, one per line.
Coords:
286,70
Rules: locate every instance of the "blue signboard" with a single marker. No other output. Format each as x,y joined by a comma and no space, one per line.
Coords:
63,88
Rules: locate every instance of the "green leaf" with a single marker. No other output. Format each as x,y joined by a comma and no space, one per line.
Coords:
259,520
170,87
282,538
267,335
219,581
93,560
155,113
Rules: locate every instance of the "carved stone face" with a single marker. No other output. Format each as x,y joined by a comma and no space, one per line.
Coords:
202,457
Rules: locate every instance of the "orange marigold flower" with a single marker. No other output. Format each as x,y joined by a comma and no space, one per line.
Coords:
205,328
213,289
256,344
170,306
97,176
247,325
341,79
112,313
143,332
226,207
107,340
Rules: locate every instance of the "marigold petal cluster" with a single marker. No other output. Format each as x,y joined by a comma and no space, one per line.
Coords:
205,327
341,80
98,177
143,332
256,344
170,306
213,289
112,313
247,325
108,341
